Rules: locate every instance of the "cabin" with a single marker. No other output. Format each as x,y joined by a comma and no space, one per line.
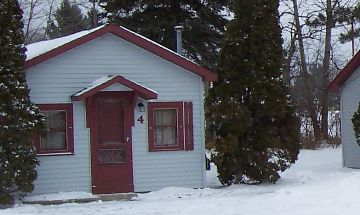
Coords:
347,83
123,113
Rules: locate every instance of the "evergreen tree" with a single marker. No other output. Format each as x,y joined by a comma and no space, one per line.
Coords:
356,124
257,131
69,20
351,17
203,24
19,118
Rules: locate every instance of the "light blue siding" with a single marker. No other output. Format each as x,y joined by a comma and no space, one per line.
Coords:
67,172
350,97
55,80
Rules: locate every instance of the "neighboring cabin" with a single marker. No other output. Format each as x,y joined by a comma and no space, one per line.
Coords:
347,82
123,114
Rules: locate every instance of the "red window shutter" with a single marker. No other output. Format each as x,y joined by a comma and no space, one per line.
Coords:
189,134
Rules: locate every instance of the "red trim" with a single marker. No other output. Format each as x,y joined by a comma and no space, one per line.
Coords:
127,35
182,126
91,115
345,73
133,104
89,111
69,132
189,138
141,91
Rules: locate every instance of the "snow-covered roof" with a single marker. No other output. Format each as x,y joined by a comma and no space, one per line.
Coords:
43,51
39,48
107,81
95,84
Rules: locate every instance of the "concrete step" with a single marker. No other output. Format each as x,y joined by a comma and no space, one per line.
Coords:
102,197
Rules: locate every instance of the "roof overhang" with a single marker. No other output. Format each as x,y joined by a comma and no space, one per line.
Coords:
344,74
121,32
107,81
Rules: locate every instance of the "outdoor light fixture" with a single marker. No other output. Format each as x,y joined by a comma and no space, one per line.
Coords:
141,107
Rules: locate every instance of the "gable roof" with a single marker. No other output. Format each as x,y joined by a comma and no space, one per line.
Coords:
345,73
39,48
52,48
107,81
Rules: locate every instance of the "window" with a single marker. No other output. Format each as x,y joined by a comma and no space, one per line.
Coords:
170,126
58,137
165,125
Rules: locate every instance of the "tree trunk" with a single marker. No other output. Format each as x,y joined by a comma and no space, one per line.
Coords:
308,98
94,14
325,73
287,61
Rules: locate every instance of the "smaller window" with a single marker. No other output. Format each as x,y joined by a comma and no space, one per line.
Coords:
58,136
166,130
170,126
165,125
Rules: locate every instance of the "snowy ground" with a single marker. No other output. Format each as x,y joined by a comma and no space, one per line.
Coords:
316,184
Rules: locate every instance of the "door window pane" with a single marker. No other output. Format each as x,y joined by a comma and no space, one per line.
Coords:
55,136
165,127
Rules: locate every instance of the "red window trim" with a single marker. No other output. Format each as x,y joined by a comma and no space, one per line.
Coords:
184,126
189,136
68,107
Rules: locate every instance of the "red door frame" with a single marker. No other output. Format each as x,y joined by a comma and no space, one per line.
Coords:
92,124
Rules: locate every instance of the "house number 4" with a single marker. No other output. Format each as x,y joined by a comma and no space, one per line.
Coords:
141,119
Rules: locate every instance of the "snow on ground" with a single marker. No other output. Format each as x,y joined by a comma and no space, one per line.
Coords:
316,184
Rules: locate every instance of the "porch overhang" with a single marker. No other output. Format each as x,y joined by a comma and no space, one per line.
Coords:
107,81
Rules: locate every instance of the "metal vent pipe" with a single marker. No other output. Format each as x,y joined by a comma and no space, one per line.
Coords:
179,30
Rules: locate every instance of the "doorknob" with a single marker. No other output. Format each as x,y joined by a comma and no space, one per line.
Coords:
127,139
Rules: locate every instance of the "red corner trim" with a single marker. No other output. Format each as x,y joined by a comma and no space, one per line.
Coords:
189,138
141,91
344,74
127,35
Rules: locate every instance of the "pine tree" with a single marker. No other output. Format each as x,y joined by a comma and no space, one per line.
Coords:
356,124
19,118
257,130
69,20
351,17
203,24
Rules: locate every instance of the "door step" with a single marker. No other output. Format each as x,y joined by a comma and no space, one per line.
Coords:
100,197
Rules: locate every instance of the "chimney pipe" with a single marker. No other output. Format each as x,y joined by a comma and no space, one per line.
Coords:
179,30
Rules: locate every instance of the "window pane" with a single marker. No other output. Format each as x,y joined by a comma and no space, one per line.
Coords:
165,117
165,127
55,137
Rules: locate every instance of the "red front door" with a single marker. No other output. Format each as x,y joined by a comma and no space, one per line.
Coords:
111,143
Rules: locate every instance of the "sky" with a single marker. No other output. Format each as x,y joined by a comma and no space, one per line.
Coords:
342,52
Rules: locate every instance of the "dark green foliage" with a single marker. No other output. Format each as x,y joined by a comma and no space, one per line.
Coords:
19,118
356,124
203,26
257,131
90,18
349,16
69,20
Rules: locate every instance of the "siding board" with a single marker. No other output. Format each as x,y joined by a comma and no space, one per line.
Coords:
350,98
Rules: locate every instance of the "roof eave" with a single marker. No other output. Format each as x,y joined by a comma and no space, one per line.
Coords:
333,88
206,74
340,79
142,91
